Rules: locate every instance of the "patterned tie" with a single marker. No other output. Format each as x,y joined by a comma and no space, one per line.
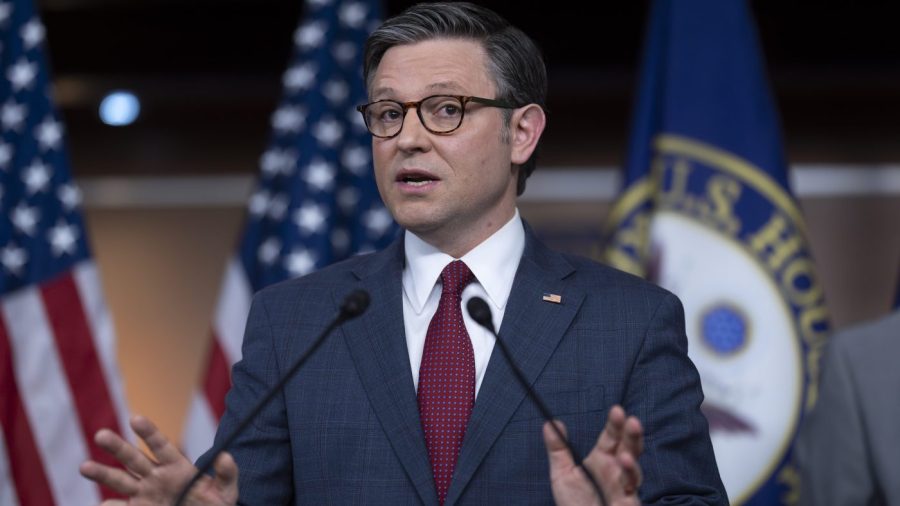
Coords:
447,378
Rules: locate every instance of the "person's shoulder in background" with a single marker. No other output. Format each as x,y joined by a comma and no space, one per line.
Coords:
848,444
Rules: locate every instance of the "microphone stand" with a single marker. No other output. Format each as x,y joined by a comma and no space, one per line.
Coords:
481,313
354,305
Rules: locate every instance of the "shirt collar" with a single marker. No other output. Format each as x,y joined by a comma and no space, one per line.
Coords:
494,263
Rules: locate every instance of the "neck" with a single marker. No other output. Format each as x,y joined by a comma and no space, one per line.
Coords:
457,243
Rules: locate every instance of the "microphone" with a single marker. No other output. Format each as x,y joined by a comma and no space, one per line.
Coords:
353,305
481,313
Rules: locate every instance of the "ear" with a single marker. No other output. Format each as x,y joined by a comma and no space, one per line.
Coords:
525,129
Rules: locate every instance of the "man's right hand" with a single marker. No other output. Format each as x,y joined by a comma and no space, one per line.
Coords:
149,482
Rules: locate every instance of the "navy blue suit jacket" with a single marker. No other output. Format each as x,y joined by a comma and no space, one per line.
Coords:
346,429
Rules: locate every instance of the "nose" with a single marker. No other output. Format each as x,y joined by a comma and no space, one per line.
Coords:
413,136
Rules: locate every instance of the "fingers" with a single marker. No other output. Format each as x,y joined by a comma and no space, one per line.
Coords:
612,433
631,477
551,437
618,476
226,479
614,460
161,447
612,463
114,478
126,453
621,434
633,439
569,484
557,452
226,470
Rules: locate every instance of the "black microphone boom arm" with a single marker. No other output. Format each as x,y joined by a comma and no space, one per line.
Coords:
481,313
352,306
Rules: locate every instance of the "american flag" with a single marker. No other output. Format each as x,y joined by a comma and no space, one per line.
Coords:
315,201
59,382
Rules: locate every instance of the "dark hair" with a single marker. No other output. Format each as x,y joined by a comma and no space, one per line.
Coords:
514,60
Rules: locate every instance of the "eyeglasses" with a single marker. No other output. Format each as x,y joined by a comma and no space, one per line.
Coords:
439,114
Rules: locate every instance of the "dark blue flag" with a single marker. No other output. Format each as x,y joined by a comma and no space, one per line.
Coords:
315,201
708,213
59,382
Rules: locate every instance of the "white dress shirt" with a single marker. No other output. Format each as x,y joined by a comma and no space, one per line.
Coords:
494,263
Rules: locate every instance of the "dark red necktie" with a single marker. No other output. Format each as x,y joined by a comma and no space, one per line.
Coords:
447,378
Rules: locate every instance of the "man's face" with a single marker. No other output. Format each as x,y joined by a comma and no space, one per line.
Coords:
452,190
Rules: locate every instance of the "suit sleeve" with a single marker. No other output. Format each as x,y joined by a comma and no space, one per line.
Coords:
664,392
263,451
832,449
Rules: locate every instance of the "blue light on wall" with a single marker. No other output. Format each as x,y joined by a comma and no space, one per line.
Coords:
119,108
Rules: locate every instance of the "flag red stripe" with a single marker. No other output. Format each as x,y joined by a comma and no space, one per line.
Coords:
217,378
26,467
93,401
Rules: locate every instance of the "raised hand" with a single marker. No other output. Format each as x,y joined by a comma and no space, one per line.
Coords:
157,481
613,462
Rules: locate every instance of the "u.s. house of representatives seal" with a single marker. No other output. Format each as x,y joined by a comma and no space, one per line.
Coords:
729,241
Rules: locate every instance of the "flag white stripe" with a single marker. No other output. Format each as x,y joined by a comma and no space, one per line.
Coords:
87,280
7,489
228,325
200,428
47,399
232,310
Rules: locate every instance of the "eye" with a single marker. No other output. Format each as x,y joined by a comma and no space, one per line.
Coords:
389,115
443,107
386,112
449,109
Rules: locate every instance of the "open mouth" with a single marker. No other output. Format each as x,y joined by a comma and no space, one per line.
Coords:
415,178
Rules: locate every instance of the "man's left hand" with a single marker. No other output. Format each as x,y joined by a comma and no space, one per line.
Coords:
613,462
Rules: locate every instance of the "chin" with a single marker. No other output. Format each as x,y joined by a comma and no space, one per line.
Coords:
420,227
415,219
417,227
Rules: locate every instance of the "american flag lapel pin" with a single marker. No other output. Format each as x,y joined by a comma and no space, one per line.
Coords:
552,297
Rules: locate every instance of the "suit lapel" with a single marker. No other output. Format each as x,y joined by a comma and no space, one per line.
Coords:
377,343
531,329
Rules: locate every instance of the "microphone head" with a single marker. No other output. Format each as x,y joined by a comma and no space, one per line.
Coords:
355,304
480,312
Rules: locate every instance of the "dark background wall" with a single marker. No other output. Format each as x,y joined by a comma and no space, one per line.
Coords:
208,72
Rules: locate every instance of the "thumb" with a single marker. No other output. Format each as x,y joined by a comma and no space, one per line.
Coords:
557,452
226,474
552,439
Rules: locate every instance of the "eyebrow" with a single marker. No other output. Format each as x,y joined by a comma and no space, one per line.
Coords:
445,86
381,91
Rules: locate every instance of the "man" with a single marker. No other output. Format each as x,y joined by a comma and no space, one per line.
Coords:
408,404
847,448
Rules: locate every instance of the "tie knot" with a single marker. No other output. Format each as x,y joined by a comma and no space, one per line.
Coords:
455,277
